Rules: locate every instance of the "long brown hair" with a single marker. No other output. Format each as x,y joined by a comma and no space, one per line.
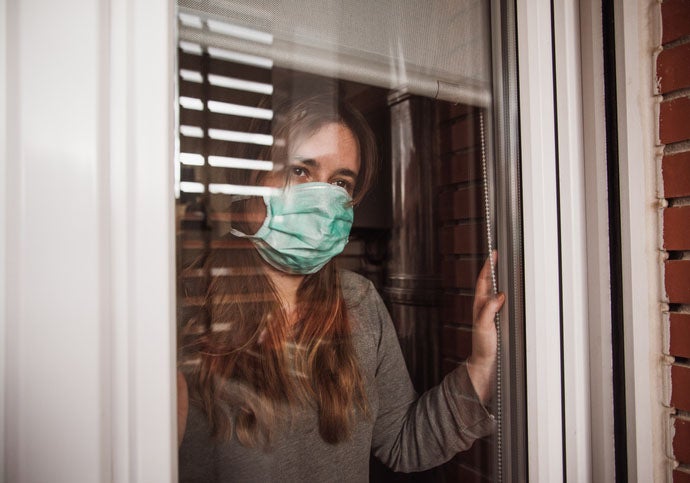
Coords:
252,368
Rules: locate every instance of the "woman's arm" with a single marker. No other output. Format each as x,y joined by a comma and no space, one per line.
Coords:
414,433
182,406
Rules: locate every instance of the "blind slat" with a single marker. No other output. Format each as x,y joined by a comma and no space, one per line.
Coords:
216,147
224,67
210,174
215,120
222,94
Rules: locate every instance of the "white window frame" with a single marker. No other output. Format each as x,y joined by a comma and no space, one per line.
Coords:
99,364
541,244
588,433
573,242
3,223
143,277
637,34
599,357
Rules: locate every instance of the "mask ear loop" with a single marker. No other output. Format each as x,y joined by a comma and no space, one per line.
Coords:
235,199
497,319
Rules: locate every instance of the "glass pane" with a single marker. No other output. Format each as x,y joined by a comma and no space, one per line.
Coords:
340,168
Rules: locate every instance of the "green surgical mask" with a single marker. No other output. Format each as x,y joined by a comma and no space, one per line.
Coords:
306,225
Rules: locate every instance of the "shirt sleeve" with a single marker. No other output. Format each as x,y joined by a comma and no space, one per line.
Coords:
414,433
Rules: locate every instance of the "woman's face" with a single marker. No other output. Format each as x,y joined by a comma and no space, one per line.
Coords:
330,155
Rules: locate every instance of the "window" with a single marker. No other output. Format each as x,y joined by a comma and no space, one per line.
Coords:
436,84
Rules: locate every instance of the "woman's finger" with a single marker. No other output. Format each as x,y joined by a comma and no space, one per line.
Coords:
483,288
484,279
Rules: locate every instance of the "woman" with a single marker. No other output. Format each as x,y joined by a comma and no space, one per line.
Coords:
295,372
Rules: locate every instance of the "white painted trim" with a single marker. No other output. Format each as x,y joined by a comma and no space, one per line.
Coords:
3,224
120,392
86,235
152,264
142,239
573,242
601,445
9,240
539,189
635,22
56,311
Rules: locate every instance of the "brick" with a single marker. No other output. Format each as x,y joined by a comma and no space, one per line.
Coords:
461,204
456,342
681,476
461,167
680,387
460,273
675,15
674,120
673,68
677,280
464,239
680,335
677,228
460,135
676,173
449,111
457,309
681,440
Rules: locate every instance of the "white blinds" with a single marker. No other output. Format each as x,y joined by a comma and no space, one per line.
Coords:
439,49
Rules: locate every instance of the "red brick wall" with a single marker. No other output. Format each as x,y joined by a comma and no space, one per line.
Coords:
673,83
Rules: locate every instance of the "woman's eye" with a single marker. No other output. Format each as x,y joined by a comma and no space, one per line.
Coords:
343,184
297,171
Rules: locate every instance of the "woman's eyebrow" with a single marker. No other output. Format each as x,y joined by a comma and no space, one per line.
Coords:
346,172
310,162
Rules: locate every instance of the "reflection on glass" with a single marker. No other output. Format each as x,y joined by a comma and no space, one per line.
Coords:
310,209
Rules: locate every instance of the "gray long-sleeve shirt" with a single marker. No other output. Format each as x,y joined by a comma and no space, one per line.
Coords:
405,431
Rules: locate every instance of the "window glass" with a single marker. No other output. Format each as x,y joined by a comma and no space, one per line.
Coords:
338,176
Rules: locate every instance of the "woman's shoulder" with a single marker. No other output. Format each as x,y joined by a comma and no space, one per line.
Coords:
356,288
364,304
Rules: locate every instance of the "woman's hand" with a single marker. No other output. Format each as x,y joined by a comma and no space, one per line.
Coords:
481,365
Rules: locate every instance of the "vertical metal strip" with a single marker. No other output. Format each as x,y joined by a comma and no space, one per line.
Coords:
494,288
505,172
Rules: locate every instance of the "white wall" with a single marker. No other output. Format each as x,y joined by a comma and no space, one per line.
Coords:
88,276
